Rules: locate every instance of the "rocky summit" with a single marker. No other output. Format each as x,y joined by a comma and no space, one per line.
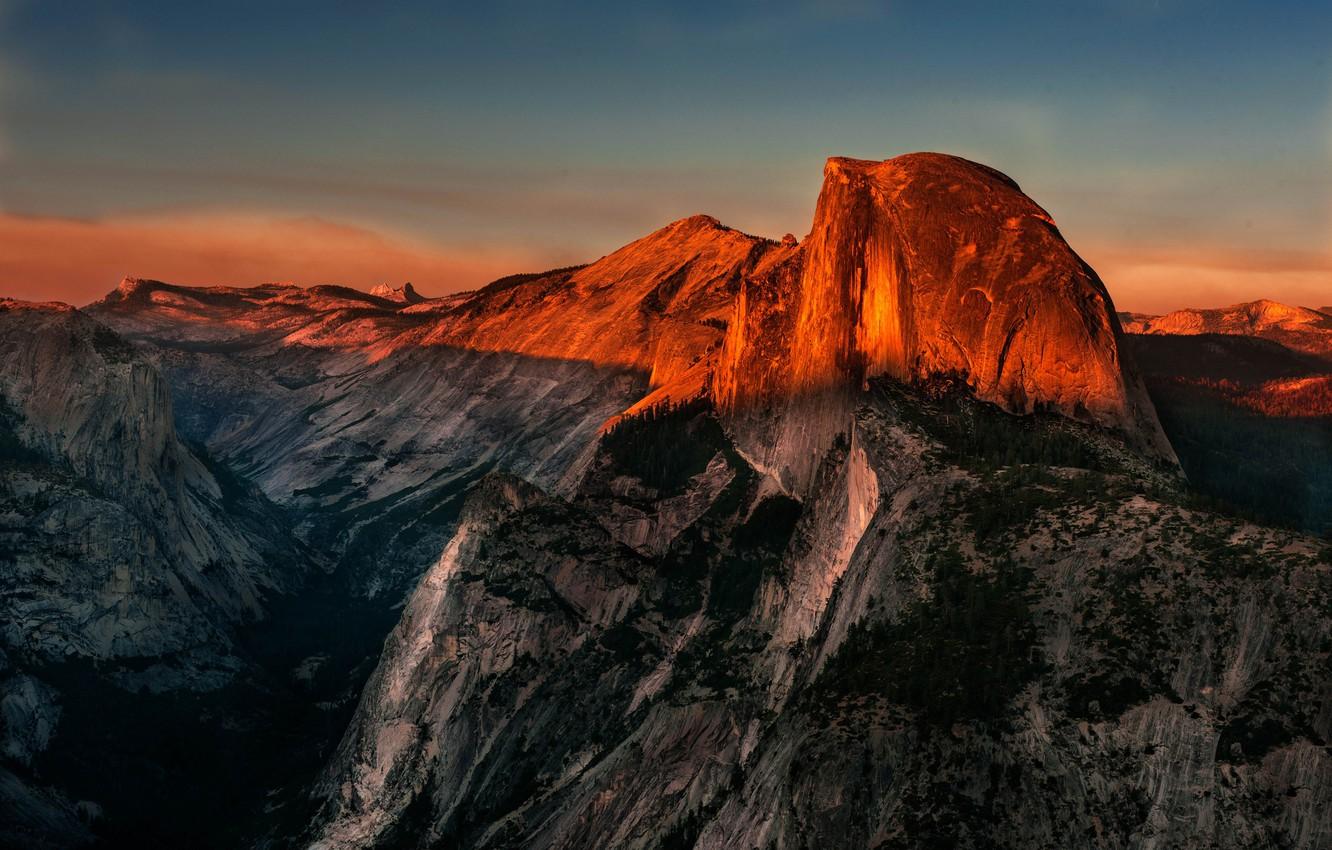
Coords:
874,538
924,265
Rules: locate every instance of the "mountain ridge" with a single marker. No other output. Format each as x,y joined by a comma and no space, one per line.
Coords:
1301,329
683,303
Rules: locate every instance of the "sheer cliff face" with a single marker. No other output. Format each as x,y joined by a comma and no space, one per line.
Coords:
123,541
928,264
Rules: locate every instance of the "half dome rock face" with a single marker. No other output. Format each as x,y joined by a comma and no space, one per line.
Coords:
924,265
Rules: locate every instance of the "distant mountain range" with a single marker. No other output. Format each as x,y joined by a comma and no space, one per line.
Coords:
895,536
1298,328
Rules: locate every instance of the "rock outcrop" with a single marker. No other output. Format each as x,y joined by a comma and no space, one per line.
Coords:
405,294
120,541
924,265
129,562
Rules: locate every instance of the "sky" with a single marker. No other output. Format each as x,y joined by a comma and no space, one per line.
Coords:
1184,148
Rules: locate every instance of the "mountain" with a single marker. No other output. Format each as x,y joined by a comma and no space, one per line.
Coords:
928,623
1297,328
379,417
868,539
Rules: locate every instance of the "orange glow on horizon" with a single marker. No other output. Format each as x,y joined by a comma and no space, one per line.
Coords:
1160,281
78,261
60,259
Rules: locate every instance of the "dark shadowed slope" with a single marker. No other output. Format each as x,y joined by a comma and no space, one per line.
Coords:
1250,419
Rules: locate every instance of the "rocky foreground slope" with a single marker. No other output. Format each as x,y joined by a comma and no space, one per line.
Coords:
974,631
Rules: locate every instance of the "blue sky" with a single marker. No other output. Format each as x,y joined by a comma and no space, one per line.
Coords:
1185,148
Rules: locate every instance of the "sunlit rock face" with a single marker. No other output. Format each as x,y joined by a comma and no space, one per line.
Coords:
655,305
922,265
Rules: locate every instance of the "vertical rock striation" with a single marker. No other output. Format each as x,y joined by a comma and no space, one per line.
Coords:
924,265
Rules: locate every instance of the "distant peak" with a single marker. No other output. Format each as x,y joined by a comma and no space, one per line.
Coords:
701,220
1268,308
405,294
133,289
694,222
1249,317
699,225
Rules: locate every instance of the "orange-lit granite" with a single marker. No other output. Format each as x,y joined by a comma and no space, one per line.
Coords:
918,265
927,264
656,305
